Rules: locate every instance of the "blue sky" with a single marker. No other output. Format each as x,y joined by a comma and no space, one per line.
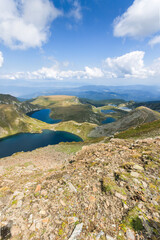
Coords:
97,41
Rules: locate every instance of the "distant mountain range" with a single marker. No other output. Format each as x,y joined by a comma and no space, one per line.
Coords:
95,92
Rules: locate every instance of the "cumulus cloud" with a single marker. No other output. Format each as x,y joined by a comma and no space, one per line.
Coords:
25,23
1,59
93,72
142,19
55,72
128,65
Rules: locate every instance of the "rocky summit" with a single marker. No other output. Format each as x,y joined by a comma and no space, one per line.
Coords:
104,191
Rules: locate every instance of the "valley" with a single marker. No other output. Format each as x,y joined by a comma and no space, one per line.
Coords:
62,169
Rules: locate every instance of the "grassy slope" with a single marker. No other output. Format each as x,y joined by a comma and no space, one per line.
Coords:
80,129
101,103
13,121
57,100
134,119
69,108
145,130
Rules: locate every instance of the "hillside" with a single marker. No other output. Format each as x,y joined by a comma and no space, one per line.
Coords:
13,121
151,129
100,103
80,129
154,105
55,100
69,108
106,191
22,106
134,118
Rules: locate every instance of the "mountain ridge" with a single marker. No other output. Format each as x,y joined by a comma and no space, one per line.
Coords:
134,118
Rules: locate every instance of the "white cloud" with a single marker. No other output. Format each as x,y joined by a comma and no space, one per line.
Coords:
1,59
142,19
55,72
93,72
128,65
154,41
25,23
76,11
155,67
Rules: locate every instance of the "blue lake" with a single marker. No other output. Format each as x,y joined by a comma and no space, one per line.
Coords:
44,116
30,141
108,120
108,111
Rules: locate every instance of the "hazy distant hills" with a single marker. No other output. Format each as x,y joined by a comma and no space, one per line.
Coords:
135,93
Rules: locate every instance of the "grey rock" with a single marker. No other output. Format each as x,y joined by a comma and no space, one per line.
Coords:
19,204
109,237
118,195
130,234
72,188
77,231
134,174
99,235
138,167
147,227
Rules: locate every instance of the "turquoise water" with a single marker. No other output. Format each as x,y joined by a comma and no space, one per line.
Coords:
30,141
44,116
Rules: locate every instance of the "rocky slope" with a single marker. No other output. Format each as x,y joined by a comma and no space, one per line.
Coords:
104,191
134,118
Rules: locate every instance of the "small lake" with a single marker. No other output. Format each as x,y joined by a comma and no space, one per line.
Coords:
108,111
108,120
44,116
30,141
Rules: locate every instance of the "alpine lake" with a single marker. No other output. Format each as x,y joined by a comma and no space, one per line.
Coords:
30,141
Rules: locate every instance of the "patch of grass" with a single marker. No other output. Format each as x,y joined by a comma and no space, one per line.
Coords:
26,164
142,130
109,186
68,148
14,202
132,220
136,224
